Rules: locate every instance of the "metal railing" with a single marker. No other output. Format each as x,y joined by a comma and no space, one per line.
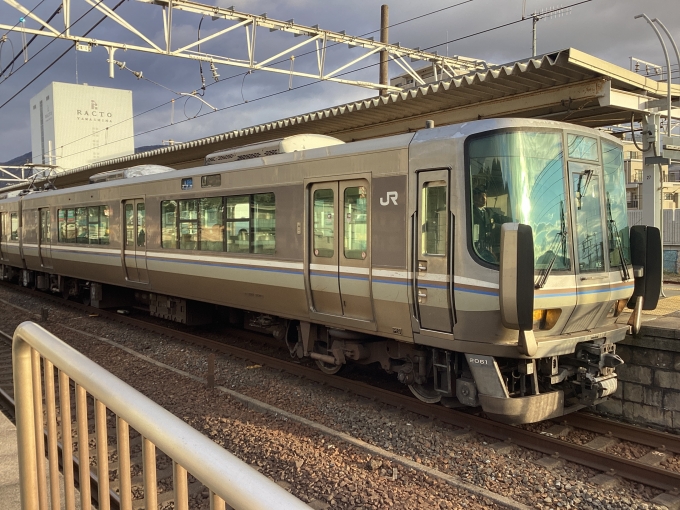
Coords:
229,480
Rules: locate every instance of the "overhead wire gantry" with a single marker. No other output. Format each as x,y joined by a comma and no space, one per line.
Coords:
253,27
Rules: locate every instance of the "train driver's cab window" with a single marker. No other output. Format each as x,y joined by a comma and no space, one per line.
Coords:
434,220
518,176
324,223
14,229
238,224
356,229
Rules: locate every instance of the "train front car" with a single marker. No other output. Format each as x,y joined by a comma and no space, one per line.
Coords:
534,337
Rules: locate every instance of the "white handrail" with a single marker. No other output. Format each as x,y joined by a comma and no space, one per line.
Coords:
239,485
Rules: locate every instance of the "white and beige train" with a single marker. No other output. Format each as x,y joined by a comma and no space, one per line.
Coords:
412,251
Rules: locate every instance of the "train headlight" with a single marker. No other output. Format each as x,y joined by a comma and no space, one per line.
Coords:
546,319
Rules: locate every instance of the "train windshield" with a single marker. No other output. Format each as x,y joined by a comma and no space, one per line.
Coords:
518,177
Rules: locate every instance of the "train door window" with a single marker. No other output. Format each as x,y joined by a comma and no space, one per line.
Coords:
238,224
211,217
433,228
141,225
188,224
264,223
324,223
356,240
14,228
45,231
3,227
61,225
169,224
104,216
129,225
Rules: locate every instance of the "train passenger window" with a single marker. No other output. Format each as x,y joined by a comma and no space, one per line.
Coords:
61,225
70,225
104,216
582,147
45,232
14,228
211,214
434,220
169,224
141,225
264,223
238,224
188,224
3,227
356,238
129,225
324,223
81,225
93,224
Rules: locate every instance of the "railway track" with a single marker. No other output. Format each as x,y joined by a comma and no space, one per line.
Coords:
553,442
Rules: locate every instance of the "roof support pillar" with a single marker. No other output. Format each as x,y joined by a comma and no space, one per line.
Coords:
384,38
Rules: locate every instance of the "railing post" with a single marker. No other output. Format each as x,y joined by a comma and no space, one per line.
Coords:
23,397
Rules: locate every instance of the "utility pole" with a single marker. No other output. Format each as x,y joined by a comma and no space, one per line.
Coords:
384,38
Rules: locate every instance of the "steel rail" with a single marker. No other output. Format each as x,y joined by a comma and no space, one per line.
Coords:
595,459
624,431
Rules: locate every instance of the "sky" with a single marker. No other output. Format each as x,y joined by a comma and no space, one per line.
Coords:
603,28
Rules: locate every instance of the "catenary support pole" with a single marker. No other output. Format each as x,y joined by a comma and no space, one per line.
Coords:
384,38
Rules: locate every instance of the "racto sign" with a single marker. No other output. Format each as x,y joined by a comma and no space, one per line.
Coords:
93,114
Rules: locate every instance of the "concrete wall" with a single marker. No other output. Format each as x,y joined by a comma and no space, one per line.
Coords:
649,382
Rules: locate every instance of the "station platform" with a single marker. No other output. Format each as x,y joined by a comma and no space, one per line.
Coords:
10,495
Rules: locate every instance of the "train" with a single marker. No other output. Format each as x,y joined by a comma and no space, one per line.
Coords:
485,264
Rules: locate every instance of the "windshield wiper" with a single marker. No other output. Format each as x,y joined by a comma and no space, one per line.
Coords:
614,234
560,239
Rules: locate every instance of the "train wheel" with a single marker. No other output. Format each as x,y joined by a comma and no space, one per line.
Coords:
425,394
326,368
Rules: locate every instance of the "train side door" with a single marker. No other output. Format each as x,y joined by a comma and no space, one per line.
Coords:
432,279
134,248
339,259
45,238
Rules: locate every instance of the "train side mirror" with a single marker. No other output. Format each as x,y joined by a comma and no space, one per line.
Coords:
645,254
516,289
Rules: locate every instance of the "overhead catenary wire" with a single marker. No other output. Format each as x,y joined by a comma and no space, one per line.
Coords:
497,27
63,54
16,57
248,72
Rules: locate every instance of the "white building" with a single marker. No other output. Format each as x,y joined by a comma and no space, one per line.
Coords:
75,125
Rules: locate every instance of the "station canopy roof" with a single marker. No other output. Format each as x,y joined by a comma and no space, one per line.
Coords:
566,85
